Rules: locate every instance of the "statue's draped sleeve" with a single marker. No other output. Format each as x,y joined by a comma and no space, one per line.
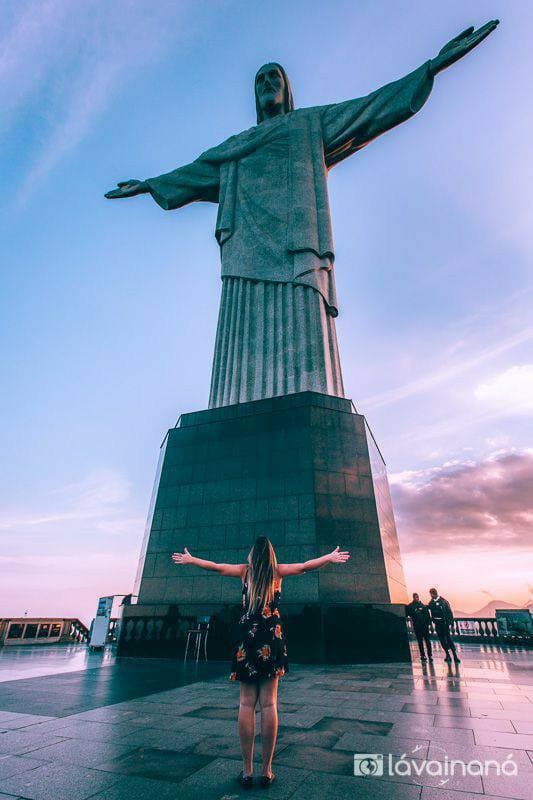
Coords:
199,180
349,126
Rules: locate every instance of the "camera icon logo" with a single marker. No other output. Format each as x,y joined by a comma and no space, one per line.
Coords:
368,764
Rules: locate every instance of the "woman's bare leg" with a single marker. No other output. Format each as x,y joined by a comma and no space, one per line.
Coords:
248,701
268,700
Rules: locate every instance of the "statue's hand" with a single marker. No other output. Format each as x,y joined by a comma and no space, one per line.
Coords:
127,189
461,45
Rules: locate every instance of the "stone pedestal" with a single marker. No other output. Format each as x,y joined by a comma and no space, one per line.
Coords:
305,471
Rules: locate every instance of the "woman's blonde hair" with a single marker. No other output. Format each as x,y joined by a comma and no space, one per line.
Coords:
262,572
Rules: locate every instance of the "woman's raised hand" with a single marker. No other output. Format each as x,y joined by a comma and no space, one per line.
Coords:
339,556
182,558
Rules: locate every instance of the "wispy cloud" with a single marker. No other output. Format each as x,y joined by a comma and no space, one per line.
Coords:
80,541
66,584
63,62
449,359
40,561
28,50
510,391
447,373
100,500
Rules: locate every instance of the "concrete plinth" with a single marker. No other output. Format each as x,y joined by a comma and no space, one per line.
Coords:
303,470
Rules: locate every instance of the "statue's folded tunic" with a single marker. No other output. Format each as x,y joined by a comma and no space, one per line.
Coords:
273,339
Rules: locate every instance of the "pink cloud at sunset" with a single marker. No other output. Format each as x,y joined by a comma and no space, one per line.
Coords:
468,525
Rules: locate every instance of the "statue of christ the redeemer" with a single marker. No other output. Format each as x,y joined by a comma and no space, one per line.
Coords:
276,329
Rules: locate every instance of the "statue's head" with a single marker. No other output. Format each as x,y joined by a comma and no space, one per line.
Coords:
273,93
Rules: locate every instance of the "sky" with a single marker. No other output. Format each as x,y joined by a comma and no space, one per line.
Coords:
109,310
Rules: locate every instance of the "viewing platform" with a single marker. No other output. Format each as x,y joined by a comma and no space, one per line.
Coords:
114,728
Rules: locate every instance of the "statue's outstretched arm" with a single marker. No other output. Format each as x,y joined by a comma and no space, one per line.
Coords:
349,126
196,181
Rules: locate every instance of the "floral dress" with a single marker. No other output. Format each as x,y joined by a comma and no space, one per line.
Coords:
259,648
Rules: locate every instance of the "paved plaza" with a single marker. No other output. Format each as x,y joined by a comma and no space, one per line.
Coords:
74,726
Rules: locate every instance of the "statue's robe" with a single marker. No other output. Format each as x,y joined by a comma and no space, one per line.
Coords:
276,331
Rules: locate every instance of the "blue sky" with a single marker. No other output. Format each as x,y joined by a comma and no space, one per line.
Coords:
109,309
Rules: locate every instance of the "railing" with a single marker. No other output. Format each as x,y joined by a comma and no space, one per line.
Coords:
485,629
112,630
470,629
78,632
482,629
165,636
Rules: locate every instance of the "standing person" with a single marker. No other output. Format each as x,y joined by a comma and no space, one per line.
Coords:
442,616
421,619
259,656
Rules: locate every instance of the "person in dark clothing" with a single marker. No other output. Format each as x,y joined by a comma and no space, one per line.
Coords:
442,616
421,619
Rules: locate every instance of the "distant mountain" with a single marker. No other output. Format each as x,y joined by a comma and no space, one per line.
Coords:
490,609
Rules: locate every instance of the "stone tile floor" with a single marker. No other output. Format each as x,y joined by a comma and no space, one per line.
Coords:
133,728
29,661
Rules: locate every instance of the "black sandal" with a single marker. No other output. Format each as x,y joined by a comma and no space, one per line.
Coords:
267,781
246,781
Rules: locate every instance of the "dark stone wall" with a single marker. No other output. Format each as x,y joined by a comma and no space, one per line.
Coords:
340,633
303,470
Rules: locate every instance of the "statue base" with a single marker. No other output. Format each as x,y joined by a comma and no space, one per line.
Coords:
304,470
